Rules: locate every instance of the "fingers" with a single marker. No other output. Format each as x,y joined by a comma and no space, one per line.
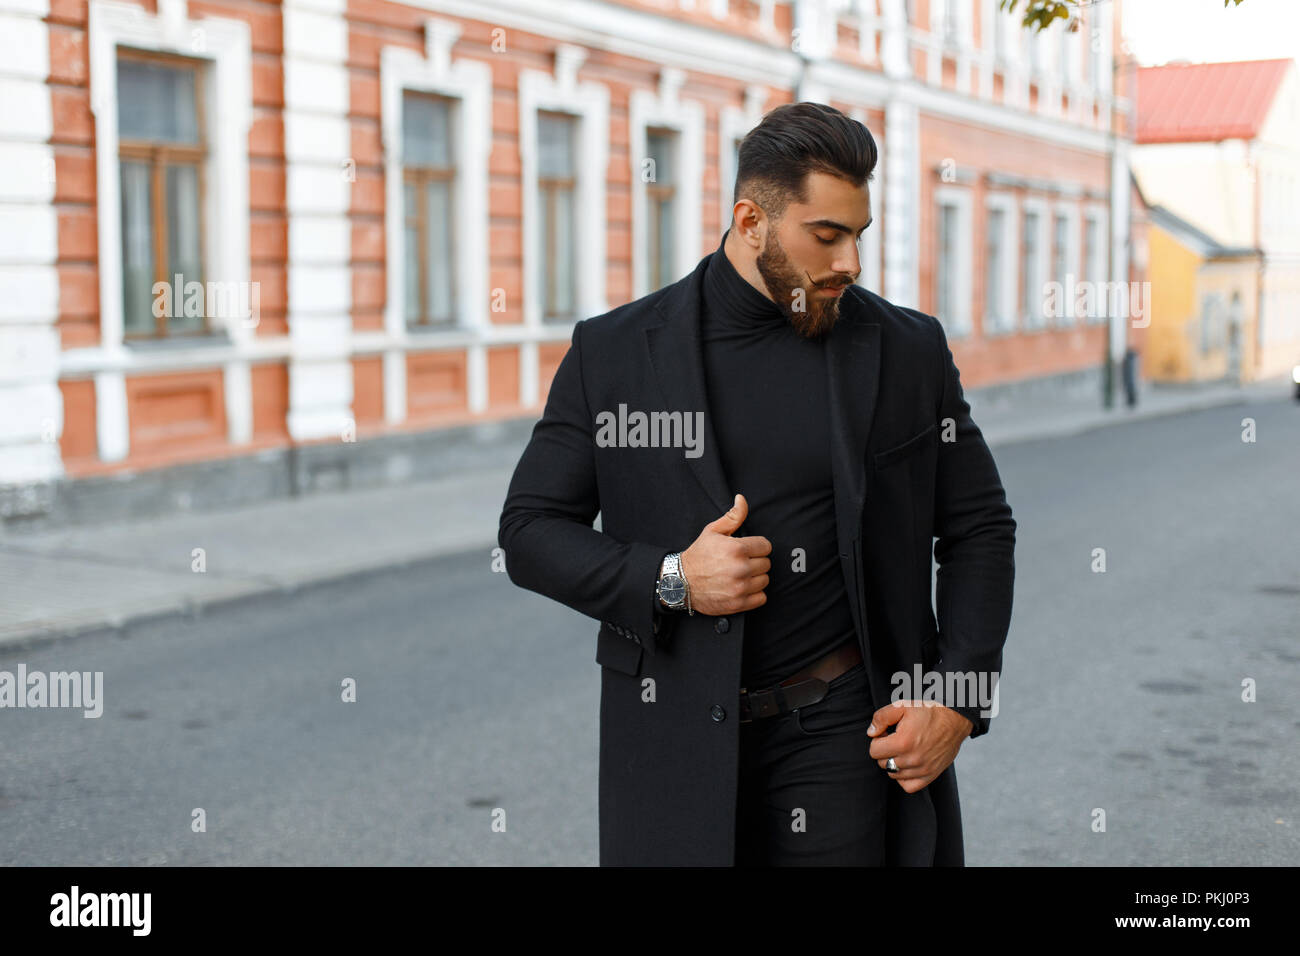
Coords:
754,546
885,717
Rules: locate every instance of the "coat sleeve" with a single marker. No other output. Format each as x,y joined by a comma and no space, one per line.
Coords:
546,524
975,549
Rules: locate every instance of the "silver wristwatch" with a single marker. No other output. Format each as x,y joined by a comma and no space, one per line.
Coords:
672,588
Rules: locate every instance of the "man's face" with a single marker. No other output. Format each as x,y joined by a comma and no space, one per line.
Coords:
811,255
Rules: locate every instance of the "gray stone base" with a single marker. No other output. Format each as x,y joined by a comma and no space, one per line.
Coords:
1084,385
278,473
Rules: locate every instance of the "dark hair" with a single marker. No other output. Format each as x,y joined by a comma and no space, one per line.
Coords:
793,140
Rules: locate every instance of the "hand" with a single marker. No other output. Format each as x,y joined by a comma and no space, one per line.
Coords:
727,575
925,741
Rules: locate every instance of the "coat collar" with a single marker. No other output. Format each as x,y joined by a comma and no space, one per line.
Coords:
852,374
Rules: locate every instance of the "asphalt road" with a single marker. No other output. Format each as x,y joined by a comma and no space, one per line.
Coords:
1121,691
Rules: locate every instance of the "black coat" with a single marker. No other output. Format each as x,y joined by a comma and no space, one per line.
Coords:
668,768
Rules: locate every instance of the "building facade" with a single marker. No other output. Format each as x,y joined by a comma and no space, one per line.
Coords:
1205,307
1218,148
232,226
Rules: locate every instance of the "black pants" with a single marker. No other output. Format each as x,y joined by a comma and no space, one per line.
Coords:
809,792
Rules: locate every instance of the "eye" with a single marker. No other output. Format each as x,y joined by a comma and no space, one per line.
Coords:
826,242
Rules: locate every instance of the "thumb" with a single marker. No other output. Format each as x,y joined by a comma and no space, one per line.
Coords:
732,520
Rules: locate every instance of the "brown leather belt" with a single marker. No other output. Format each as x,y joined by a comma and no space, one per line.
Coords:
806,687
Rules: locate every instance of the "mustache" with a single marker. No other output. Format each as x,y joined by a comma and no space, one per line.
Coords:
832,285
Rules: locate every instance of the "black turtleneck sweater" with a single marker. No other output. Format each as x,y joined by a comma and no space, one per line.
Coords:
769,405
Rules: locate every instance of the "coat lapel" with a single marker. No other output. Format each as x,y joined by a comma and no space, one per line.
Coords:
852,375
678,360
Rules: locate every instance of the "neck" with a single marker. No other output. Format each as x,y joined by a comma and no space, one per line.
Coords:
742,259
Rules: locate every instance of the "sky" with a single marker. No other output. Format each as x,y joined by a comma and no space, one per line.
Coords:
1204,31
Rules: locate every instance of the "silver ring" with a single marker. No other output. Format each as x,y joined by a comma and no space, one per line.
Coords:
891,766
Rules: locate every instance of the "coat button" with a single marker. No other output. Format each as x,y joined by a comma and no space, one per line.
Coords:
717,713
722,625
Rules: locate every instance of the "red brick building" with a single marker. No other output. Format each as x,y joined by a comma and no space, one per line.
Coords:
386,216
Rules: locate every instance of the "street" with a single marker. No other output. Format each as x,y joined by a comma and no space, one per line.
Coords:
1121,692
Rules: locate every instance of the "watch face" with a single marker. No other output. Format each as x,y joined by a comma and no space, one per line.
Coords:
672,588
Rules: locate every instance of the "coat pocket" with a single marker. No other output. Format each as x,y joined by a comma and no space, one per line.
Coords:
911,446
617,652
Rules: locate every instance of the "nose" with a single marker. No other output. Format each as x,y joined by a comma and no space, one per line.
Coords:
847,266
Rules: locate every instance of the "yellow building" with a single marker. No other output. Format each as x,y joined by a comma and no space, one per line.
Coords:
1204,305
1218,149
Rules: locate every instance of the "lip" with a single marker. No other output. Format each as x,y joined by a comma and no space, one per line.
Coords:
832,292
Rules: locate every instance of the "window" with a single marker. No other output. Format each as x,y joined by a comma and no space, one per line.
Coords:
1061,266
161,153
1032,267
951,26
952,270
556,183
661,198
1095,250
994,255
1212,324
429,202
946,293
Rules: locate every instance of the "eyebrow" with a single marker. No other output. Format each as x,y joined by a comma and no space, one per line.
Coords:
837,226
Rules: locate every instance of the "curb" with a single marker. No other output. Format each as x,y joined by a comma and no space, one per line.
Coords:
39,634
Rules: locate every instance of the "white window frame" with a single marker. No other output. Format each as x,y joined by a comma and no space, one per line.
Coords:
733,124
469,83
226,91
1033,319
1070,212
589,102
666,110
1005,324
958,325
1098,256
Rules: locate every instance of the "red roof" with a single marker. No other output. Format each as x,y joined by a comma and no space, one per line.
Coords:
1206,102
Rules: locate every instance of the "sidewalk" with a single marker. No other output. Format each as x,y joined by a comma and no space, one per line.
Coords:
80,579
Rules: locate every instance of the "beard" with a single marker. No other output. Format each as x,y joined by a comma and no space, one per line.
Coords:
819,315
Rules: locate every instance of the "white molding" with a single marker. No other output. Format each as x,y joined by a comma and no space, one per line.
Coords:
901,215
31,404
1032,318
476,377
318,194
667,110
1120,214
111,424
529,379
895,57
960,198
1098,255
469,82
227,96
643,35
588,101
81,363
1070,212
872,89
733,123
870,22
1007,322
